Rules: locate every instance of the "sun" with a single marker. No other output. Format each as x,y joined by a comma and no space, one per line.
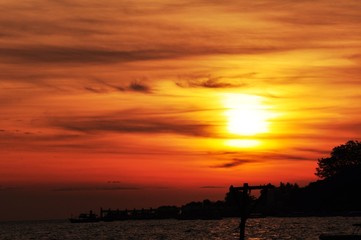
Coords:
246,115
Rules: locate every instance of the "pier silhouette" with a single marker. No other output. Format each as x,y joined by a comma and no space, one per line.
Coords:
246,207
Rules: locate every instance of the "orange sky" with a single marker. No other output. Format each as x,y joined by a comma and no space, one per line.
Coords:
108,103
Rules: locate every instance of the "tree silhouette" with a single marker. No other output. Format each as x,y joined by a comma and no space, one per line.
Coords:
345,159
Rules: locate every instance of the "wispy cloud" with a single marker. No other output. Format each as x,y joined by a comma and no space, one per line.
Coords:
236,159
136,125
233,163
95,90
313,150
209,82
70,55
139,87
104,87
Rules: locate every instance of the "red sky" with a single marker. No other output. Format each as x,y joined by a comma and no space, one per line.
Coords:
128,104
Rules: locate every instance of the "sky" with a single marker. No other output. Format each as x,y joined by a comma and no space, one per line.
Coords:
123,104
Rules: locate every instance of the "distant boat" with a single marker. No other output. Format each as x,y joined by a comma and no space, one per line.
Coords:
85,218
343,236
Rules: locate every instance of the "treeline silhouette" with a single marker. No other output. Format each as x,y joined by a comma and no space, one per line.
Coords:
337,192
328,197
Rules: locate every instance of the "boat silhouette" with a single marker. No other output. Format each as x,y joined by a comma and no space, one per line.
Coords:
85,218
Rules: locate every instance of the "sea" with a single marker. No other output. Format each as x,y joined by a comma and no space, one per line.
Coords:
305,228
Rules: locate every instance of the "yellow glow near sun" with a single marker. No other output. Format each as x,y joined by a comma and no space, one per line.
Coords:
242,143
246,115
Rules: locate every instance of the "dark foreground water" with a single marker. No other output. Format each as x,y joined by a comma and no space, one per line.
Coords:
257,229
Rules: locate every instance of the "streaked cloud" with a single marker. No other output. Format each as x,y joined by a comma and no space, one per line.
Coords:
106,87
67,55
209,82
138,125
242,158
139,87
234,163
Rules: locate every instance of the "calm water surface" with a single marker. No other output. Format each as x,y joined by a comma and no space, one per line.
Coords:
257,229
